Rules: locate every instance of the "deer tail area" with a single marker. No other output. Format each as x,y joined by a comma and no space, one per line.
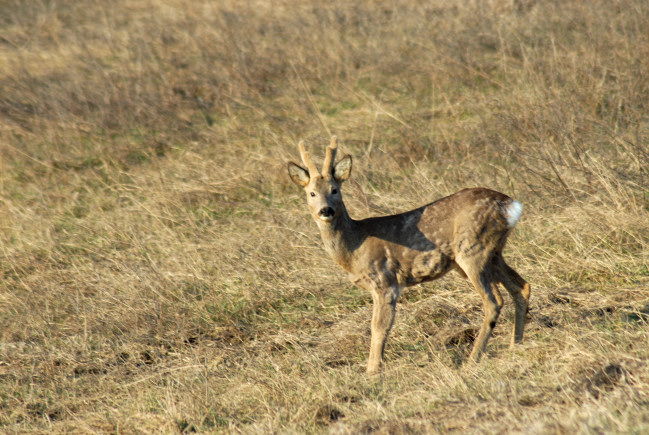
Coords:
513,213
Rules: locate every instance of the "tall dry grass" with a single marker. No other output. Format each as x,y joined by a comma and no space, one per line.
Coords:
159,272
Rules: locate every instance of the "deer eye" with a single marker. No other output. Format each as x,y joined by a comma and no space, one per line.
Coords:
312,193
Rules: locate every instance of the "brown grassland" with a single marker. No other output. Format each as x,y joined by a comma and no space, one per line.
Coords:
159,272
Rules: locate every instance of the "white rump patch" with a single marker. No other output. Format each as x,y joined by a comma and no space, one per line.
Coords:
514,212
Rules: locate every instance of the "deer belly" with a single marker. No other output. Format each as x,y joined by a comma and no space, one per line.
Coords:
427,266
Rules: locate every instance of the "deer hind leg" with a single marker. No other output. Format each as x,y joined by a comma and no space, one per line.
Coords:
484,282
520,290
382,319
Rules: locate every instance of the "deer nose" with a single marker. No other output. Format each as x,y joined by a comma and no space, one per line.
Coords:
326,212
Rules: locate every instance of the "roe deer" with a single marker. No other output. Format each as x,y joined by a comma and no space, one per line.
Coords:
465,231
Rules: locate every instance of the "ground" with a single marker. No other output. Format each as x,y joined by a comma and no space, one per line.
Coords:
159,272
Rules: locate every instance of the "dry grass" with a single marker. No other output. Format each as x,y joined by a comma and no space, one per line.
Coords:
158,271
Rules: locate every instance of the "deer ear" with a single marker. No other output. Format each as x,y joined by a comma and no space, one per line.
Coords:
343,169
298,174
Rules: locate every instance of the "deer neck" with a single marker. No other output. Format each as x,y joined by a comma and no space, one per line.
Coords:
340,238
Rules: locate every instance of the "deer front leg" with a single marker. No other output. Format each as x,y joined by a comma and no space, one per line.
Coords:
382,319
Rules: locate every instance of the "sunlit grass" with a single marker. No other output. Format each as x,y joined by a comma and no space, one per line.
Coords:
159,272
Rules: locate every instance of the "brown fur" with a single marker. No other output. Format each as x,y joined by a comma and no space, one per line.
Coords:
465,231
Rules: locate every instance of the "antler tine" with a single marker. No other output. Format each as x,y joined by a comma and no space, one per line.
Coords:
330,157
306,159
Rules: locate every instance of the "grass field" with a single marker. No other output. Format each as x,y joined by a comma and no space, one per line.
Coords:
159,272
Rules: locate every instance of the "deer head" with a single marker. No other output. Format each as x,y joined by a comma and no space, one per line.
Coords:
322,188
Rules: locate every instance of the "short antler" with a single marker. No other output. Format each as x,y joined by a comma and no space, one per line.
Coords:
306,159
330,158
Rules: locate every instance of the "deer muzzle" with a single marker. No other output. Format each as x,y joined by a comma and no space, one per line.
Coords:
326,214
